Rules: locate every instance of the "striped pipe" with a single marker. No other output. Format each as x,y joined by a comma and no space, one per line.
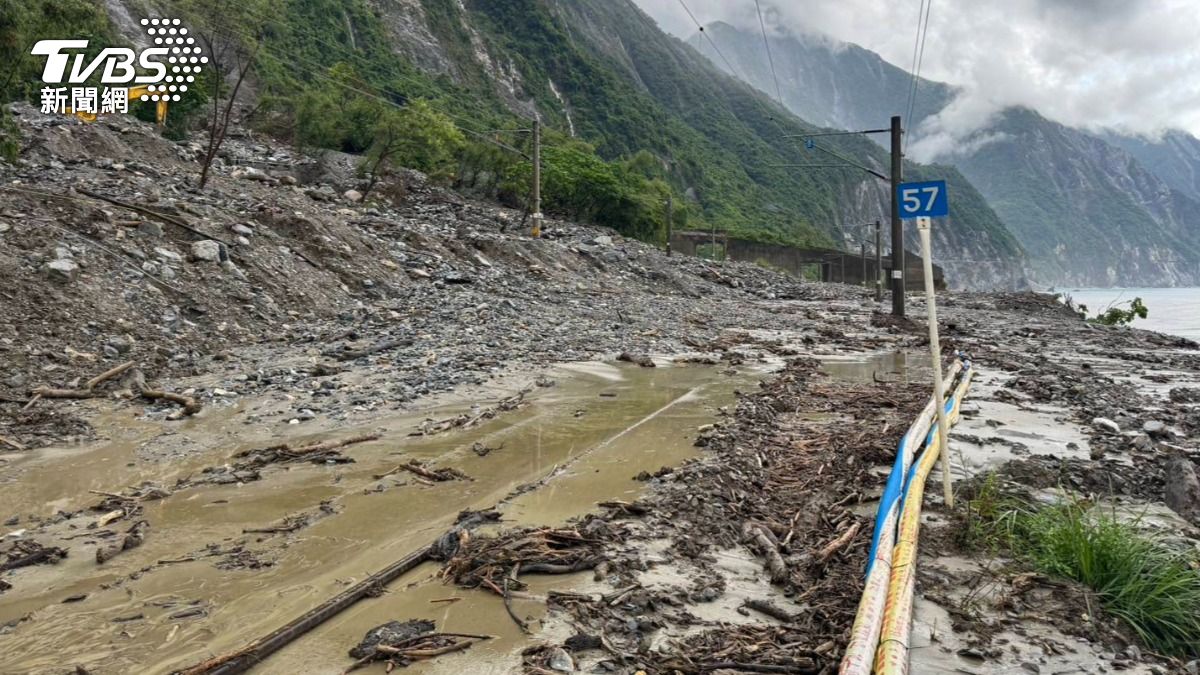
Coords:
892,656
864,637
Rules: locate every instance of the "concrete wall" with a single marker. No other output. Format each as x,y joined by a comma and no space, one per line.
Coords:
834,266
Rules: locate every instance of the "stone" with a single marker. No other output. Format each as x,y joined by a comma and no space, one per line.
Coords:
150,228
62,271
1142,442
122,345
1105,424
287,179
353,195
233,270
418,273
242,241
168,273
1182,492
17,381
168,255
603,240
206,251
1155,428
238,228
561,661
117,166
255,174
4,227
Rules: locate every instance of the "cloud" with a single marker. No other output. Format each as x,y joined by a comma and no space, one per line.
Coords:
1131,65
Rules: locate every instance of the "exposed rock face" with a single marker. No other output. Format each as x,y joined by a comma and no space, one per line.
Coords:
1087,212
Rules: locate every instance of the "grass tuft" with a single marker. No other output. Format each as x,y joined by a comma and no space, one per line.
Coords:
1152,587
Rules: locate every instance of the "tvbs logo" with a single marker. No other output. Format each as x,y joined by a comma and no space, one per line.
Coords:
161,73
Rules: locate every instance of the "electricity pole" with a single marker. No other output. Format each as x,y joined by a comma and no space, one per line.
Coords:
670,208
537,178
878,261
897,225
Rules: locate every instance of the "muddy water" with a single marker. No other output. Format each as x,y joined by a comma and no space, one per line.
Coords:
586,437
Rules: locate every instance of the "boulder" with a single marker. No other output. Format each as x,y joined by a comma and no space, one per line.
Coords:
1105,424
1155,428
63,270
1182,493
206,251
353,195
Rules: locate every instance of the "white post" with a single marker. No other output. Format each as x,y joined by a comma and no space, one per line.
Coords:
935,347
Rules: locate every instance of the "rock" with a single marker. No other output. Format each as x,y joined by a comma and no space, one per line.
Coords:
117,166
1142,442
252,173
120,344
150,228
1105,424
233,270
561,661
168,273
603,240
418,273
17,381
238,228
353,195
1193,667
168,255
4,227
206,251
1182,492
287,179
62,271
1155,428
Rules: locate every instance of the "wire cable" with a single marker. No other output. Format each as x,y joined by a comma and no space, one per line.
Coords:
917,73
770,59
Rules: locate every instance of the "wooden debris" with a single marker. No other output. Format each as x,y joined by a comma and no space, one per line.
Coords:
133,538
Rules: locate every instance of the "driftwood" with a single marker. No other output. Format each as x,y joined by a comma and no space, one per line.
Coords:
837,544
764,543
10,442
137,385
437,475
133,538
89,389
250,655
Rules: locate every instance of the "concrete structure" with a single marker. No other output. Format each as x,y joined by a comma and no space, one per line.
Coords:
828,265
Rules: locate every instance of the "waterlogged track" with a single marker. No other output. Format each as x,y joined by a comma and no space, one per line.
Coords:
155,609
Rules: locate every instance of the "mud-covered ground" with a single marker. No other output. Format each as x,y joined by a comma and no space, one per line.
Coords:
359,374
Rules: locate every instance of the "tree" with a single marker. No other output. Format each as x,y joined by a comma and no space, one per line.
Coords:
231,36
415,136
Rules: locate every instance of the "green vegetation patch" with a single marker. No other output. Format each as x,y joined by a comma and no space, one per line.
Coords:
1138,578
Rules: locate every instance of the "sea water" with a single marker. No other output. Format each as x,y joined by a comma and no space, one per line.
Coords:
1172,310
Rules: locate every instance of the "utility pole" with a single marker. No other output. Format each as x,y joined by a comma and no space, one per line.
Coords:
878,261
897,224
670,209
537,178
862,255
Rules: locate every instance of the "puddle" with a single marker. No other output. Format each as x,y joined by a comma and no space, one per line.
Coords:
893,366
592,444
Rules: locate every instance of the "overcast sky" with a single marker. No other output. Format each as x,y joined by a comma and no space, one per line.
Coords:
1127,64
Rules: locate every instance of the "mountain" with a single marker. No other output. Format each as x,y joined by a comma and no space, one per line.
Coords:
1088,210
1174,157
601,72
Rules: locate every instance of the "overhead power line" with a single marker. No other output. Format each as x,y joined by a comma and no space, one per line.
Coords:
770,59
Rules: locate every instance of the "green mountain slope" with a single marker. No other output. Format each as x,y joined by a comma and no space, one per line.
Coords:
603,78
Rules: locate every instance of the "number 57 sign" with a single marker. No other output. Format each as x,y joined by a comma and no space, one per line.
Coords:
923,200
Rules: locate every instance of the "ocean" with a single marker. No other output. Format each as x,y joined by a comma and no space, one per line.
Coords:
1172,310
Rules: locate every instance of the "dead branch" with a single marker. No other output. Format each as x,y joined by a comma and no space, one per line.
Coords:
835,545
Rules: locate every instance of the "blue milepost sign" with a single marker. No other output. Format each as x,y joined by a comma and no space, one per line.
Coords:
923,200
